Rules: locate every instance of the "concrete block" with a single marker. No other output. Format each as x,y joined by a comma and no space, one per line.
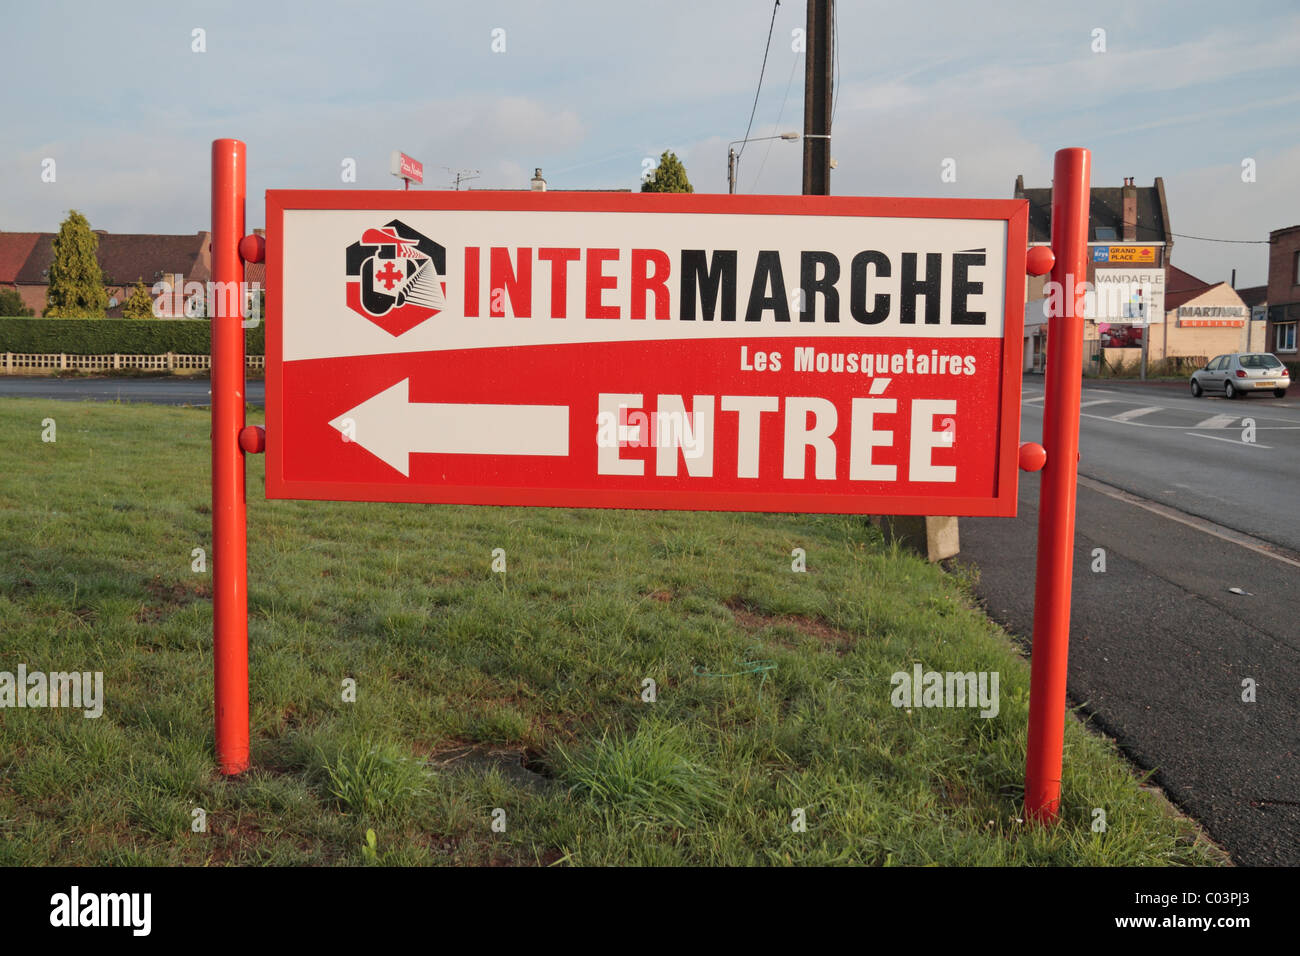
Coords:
934,538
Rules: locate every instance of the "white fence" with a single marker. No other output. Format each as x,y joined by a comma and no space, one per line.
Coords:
23,363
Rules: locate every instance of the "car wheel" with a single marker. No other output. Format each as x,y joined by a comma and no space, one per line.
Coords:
1230,391
1279,392
1196,389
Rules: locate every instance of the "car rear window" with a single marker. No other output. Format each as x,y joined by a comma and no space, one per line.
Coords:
1260,361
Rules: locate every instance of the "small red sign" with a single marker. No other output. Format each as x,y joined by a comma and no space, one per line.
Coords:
407,168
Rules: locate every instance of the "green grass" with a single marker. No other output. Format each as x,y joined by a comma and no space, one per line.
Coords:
773,687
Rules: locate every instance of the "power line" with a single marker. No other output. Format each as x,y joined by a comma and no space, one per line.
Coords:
835,43
1183,235
777,125
760,78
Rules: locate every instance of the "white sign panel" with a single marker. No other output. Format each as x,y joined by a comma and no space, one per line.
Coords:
1127,297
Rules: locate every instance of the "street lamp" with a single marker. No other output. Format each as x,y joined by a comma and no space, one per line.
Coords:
733,159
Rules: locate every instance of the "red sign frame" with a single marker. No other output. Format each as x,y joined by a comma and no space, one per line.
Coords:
1002,503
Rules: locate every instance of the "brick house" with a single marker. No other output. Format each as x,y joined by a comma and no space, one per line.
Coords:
1283,292
1128,228
123,259
15,247
1128,215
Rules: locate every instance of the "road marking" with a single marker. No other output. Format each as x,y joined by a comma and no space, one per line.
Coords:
1231,441
1249,542
1107,418
1216,421
1096,401
1133,413
1036,398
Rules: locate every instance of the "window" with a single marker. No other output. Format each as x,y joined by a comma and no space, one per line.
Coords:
1105,233
1260,360
1295,268
1285,338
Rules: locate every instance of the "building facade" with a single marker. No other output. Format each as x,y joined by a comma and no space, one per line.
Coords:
1129,246
1283,292
123,259
1202,320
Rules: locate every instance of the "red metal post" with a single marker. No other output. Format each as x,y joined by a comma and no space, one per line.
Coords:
1070,200
229,506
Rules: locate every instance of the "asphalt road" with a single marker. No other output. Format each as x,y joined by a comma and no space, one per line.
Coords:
1159,645
1159,442
156,391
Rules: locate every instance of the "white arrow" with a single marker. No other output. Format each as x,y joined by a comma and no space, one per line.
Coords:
391,428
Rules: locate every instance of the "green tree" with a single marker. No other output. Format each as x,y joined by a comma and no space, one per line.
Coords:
76,283
669,176
11,304
138,305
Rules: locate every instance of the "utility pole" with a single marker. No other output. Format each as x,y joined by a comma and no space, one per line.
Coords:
817,79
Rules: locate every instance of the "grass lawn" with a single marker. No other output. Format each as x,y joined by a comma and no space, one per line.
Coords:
512,699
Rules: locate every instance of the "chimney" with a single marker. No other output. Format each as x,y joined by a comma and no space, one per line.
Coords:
538,183
1130,197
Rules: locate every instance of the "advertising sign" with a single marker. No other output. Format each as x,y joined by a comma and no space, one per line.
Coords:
814,354
405,167
1123,254
1212,316
1127,296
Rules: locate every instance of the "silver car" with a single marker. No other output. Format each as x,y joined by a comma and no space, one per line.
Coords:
1241,373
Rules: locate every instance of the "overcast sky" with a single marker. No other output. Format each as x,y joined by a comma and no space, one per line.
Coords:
116,95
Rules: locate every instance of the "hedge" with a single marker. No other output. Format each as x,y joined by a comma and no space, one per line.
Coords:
123,336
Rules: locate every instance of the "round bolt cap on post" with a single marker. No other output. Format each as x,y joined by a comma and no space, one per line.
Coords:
252,438
1033,456
252,248
1039,260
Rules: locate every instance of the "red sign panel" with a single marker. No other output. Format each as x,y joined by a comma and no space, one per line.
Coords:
407,168
814,354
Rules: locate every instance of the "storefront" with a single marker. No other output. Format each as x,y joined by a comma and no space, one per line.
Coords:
1199,326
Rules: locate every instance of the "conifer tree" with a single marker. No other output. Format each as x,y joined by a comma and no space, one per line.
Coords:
138,305
669,176
76,282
